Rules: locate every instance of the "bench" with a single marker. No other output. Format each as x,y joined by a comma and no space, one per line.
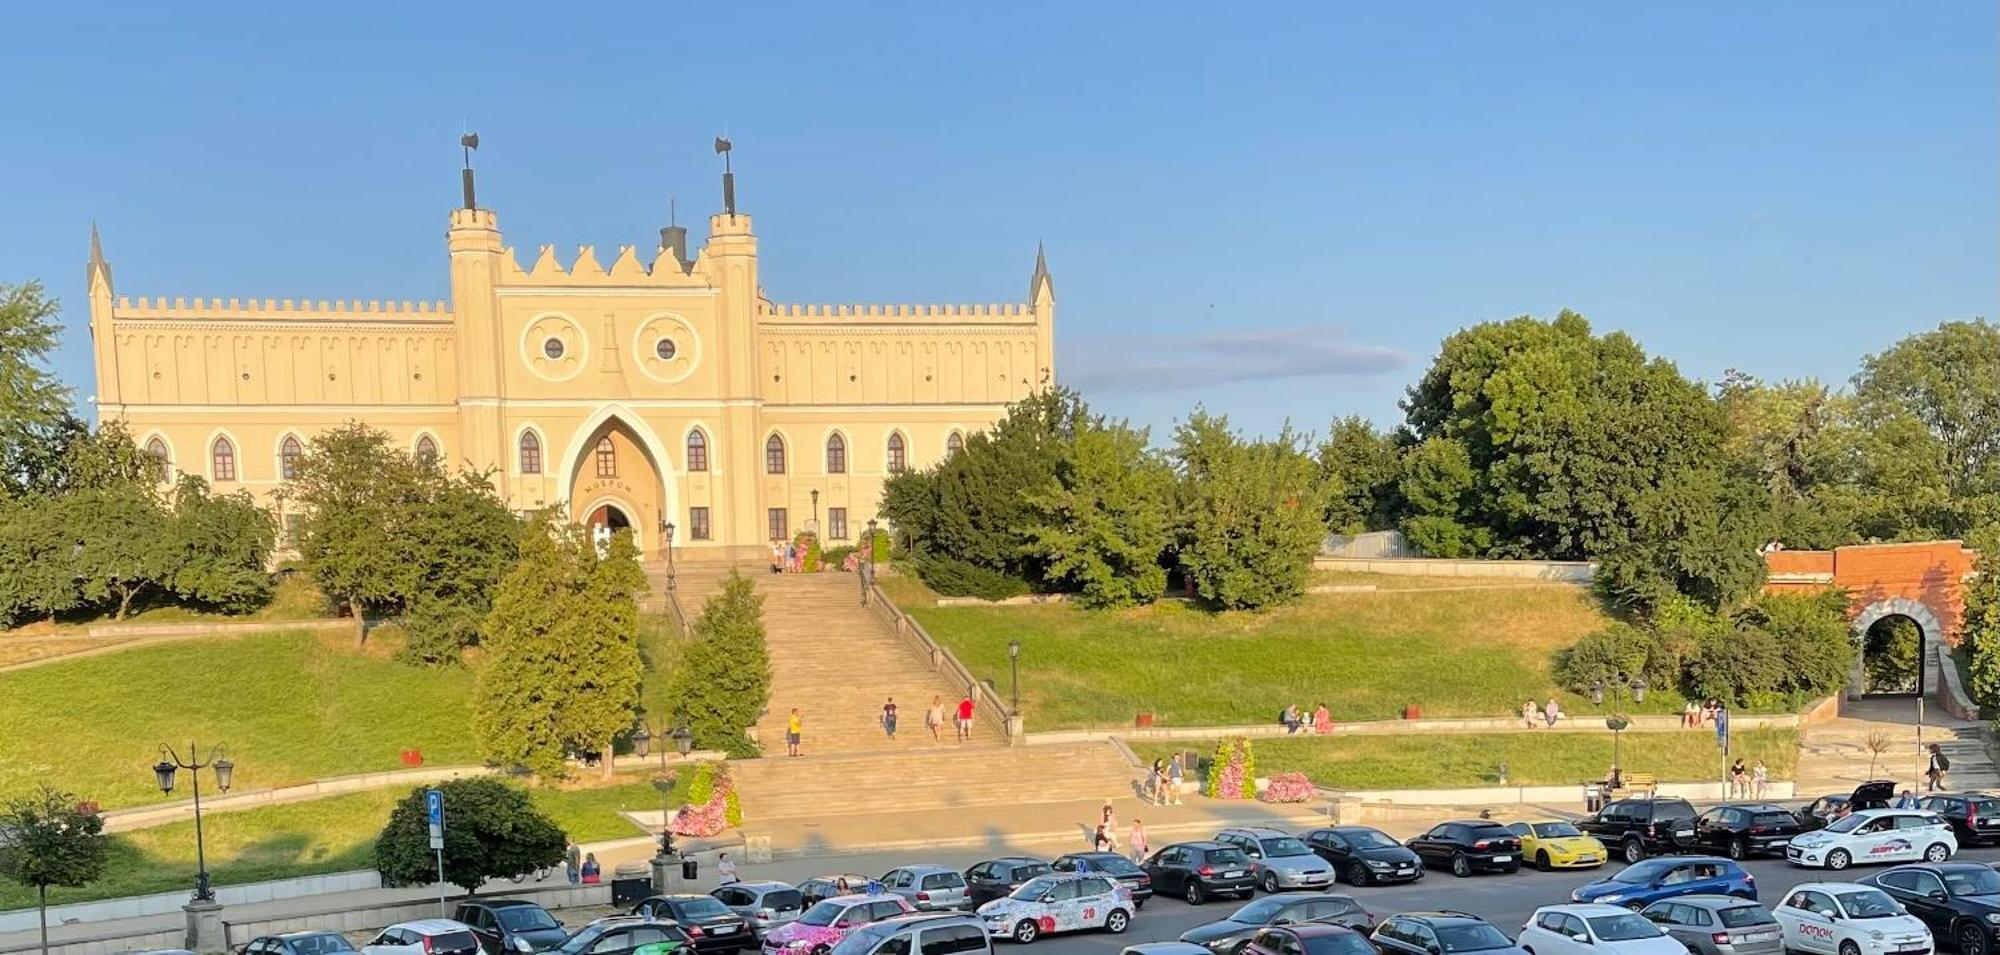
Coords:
1637,783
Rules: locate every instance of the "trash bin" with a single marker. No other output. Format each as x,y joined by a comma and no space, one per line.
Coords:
631,883
690,868
1593,797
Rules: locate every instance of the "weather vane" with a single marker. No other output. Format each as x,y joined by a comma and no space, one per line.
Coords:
470,142
728,178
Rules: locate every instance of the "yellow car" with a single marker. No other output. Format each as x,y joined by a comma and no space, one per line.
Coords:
1554,844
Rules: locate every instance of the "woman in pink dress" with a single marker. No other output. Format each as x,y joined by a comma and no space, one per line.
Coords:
1322,720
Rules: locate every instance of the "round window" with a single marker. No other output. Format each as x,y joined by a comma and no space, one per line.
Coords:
665,349
553,348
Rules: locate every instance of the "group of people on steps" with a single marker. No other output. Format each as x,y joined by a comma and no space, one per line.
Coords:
935,718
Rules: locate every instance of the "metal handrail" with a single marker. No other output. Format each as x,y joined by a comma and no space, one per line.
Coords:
988,703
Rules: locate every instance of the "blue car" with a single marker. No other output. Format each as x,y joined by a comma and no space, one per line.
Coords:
1643,883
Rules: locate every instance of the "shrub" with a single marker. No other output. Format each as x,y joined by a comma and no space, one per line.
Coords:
1735,666
808,544
491,830
1622,647
957,578
1287,787
836,557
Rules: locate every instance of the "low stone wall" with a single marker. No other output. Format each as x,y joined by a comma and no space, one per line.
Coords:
141,817
1564,571
162,903
1951,691
1585,724
194,628
368,918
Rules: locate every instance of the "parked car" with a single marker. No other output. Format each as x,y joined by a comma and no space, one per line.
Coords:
506,926
1974,817
1740,832
1163,948
711,924
1198,871
997,878
623,935
1718,925
1283,860
1643,825
932,933
1875,835
826,923
1440,933
1639,885
1310,938
299,943
1555,844
928,888
1469,846
1365,856
424,937
1588,929
1959,901
1113,865
1873,794
765,905
1060,902
1841,918
816,890
1229,935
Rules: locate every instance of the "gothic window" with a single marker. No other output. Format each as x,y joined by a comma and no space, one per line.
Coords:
222,460
531,453
427,449
607,458
899,457
158,449
954,444
697,451
289,453
774,455
836,455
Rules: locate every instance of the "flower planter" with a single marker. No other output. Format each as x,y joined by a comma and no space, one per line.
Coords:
1414,711
1143,720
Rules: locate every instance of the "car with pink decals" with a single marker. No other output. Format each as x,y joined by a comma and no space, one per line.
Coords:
829,921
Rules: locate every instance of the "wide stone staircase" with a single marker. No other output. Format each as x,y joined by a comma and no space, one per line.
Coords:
1835,755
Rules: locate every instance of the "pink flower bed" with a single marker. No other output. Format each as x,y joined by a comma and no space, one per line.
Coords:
1287,787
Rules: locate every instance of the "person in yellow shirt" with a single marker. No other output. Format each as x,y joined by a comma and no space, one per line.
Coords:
792,727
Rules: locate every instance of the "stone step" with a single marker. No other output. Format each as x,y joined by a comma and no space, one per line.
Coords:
930,776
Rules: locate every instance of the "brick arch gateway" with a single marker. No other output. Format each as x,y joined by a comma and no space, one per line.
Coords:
1923,581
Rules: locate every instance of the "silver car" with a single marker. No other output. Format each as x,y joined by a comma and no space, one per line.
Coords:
765,905
929,888
1285,861
1718,925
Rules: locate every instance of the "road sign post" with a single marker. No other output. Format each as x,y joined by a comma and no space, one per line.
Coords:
434,813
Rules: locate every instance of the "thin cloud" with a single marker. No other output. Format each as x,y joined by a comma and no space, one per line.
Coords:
1259,354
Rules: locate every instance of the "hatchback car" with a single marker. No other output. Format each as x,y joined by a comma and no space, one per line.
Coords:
765,905
1365,856
997,878
1440,933
1875,835
825,924
1974,817
1059,902
1312,938
1113,865
424,937
1637,886
1717,925
932,933
930,888
1468,846
507,926
1740,832
711,924
1228,936
1283,861
625,935
299,943
1841,918
1554,844
1199,871
1959,901
1588,929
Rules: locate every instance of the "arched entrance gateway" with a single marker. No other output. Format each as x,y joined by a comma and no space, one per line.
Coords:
1906,602
618,479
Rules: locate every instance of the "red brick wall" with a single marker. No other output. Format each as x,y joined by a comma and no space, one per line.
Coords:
1929,572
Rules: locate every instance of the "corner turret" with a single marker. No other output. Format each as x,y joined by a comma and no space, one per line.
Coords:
1042,301
103,342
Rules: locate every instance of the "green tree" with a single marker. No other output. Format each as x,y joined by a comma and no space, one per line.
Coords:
47,838
1438,483
724,681
1358,469
1099,520
123,543
34,403
1697,536
1982,618
221,547
1799,440
491,831
1930,407
38,575
1251,513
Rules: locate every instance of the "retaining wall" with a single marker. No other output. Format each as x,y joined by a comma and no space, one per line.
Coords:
1565,571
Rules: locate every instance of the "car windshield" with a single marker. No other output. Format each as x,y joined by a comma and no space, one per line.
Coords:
1744,916
1979,881
1846,824
864,939
1869,904
526,918
1259,912
1471,937
1369,839
1555,830
1623,927
1643,873
1035,888
1286,846
701,907
1338,943
825,913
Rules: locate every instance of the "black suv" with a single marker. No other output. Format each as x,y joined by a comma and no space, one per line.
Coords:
1198,871
1740,832
511,926
1365,856
1958,900
1974,817
998,878
1643,826
1113,865
1431,933
1469,845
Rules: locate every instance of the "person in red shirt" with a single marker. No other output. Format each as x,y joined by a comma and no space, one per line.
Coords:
965,718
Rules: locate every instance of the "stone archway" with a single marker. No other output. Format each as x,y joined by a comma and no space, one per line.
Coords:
1931,631
616,468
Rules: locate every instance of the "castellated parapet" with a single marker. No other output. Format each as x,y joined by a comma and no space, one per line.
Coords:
215,309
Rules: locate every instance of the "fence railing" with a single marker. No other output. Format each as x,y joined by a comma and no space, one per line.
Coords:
679,613
987,704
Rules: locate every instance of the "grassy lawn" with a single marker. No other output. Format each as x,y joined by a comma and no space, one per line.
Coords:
294,598
292,706
1447,760
327,835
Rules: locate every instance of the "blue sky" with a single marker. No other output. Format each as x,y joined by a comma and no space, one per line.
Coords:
1276,210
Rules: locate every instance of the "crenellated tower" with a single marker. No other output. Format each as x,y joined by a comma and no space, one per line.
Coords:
476,260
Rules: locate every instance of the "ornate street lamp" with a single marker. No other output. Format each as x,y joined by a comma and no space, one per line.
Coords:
669,529
642,741
164,773
1014,664
1617,721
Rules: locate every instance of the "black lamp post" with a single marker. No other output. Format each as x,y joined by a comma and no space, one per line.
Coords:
815,523
683,739
642,741
1014,664
1617,721
164,772
669,529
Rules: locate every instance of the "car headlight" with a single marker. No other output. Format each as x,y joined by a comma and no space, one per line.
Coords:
1607,899
1377,864
1993,917
797,943
1874,934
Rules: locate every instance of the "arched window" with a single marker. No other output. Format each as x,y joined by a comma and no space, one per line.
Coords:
289,452
836,454
953,443
531,453
607,457
427,449
899,457
697,451
774,455
158,449
222,460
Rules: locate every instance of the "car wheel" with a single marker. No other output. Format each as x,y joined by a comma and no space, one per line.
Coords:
1635,851
1938,852
1271,882
1738,849
1542,861
1838,859
1849,948
1117,922
1194,895
1970,938
1026,931
1460,865
1357,874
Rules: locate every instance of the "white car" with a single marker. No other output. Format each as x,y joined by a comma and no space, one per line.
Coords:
1841,918
1587,929
424,937
1059,902
1875,835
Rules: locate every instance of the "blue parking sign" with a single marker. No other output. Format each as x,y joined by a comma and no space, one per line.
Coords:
434,812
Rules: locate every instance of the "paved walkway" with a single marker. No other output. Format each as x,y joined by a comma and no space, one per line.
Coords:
1834,755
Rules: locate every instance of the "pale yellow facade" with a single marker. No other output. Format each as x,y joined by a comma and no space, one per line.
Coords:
633,394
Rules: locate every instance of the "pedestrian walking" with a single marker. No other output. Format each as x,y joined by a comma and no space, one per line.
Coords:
1156,783
794,727
1322,720
965,717
725,869
1136,842
1939,764
889,717
1108,818
1101,841
1553,711
1176,771
934,719
1739,779
573,862
777,556
1760,779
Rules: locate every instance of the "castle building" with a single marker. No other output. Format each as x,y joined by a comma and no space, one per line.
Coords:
633,395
